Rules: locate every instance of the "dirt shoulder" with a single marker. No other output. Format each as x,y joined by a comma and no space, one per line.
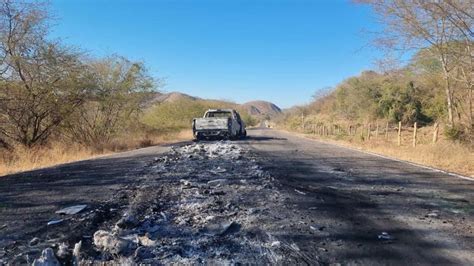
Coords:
23,159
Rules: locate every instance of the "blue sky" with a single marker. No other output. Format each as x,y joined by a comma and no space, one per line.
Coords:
280,50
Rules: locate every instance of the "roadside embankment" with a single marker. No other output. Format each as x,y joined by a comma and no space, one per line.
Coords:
24,159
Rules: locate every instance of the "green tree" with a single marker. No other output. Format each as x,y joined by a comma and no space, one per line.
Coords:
119,89
41,82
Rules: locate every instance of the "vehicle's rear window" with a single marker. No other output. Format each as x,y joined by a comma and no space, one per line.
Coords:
219,114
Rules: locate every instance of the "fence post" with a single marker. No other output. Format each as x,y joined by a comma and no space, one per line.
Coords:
302,122
435,132
414,134
386,131
399,133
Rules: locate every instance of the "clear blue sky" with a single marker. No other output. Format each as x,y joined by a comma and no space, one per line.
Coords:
281,50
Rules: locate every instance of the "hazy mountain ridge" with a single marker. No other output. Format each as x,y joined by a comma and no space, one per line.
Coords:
255,108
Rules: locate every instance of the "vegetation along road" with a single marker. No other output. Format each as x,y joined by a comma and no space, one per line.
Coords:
272,197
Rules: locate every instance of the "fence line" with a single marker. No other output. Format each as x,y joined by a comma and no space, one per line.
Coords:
369,131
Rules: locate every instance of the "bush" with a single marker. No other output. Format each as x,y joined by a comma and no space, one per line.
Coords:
453,133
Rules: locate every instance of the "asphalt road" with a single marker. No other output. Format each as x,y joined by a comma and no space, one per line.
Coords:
340,205
351,198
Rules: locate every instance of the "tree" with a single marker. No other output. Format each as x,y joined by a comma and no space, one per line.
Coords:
120,87
41,82
434,25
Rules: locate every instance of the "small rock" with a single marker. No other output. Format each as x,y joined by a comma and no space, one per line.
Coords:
34,241
432,215
47,258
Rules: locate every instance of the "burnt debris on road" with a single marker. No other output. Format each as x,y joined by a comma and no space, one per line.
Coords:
198,203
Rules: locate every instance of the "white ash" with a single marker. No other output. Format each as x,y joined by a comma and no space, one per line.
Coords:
197,204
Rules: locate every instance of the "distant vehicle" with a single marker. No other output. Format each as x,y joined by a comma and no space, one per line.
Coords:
219,123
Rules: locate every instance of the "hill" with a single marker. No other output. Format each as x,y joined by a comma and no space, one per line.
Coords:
171,97
257,109
262,108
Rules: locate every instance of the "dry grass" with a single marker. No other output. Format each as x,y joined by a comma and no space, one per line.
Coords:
23,159
446,155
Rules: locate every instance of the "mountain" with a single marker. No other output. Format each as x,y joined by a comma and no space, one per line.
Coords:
170,97
257,109
262,108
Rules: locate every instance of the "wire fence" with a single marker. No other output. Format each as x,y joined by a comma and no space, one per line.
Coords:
376,131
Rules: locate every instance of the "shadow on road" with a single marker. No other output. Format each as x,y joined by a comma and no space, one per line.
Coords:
350,198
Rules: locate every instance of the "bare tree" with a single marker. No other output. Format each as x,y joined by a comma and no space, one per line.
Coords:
434,25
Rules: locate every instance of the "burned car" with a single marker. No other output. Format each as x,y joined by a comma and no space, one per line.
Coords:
219,123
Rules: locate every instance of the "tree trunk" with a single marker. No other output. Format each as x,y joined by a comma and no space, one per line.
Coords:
471,112
449,94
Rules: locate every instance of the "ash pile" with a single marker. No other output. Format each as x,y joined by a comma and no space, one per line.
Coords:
202,203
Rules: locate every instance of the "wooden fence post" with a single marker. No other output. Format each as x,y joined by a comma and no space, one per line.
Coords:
400,133
302,122
435,132
414,134
386,131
